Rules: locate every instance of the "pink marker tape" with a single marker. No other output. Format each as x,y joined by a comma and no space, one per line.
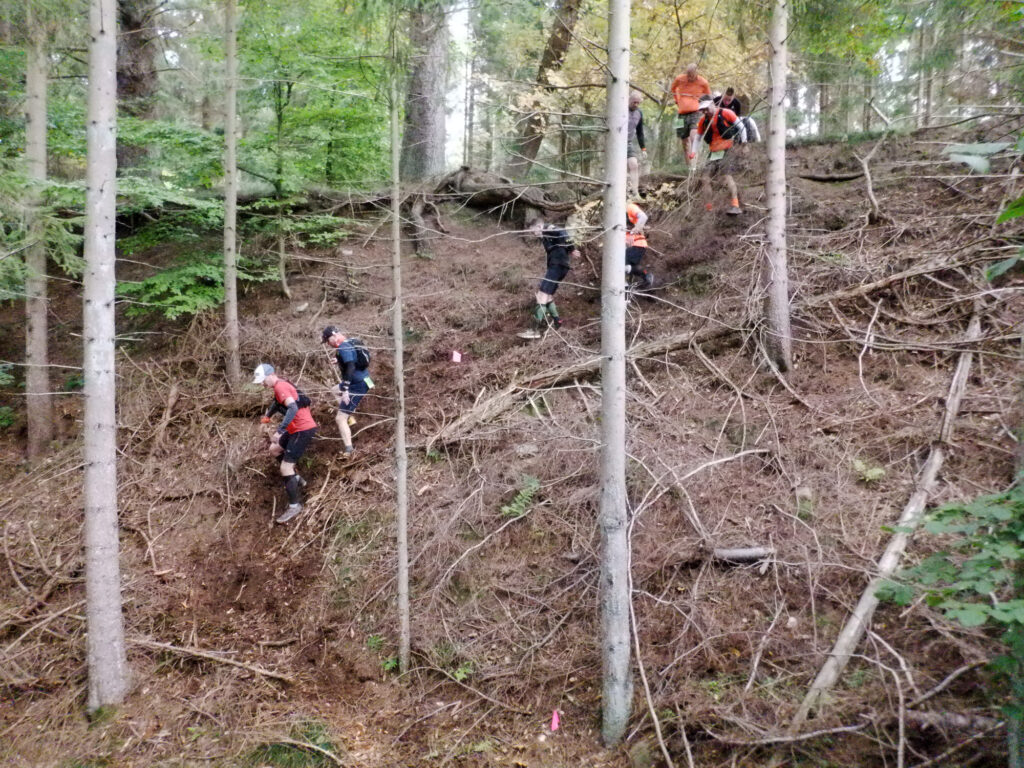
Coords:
555,721
456,356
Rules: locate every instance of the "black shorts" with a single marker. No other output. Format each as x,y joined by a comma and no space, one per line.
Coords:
634,255
295,444
555,275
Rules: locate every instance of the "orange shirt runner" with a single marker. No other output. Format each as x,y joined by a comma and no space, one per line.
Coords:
686,92
303,419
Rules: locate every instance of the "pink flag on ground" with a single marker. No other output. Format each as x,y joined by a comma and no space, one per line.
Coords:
555,722
456,356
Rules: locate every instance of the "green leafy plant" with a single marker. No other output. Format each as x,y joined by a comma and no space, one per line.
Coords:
7,416
375,642
390,664
73,382
979,581
520,505
868,473
463,671
6,375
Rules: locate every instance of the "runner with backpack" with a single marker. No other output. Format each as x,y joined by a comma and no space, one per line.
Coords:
720,128
354,365
293,434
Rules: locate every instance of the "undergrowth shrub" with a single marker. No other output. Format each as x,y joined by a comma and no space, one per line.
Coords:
196,284
293,753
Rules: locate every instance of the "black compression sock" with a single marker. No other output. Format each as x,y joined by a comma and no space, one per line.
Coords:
291,485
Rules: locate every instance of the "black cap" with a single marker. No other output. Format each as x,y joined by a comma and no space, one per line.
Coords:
329,331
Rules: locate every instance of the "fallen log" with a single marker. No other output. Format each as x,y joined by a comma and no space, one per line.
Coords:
482,189
743,554
857,624
830,178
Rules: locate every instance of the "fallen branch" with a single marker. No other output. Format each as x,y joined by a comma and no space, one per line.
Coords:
859,620
198,654
506,399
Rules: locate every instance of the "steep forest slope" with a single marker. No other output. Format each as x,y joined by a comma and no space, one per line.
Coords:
256,644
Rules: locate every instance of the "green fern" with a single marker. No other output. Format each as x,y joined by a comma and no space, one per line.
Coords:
521,504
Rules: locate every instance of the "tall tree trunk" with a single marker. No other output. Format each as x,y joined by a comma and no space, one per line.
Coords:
401,455
531,135
922,116
617,686
234,365
37,379
779,341
108,665
136,70
424,134
866,113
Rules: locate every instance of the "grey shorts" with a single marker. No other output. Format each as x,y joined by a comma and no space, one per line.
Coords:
687,123
632,150
724,167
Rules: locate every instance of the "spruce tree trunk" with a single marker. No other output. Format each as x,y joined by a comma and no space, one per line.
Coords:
531,135
617,688
779,340
234,365
108,666
38,402
424,134
401,455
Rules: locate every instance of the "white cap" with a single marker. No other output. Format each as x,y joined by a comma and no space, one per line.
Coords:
262,371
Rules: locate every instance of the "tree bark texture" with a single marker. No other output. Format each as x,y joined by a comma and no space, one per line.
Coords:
617,687
38,403
107,663
136,71
424,134
231,333
401,455
779,341
531,135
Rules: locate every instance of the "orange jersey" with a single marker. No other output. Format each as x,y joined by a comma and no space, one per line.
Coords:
283,390
686,92
634,239
712,133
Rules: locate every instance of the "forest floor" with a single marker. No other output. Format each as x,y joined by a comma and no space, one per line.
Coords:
298,622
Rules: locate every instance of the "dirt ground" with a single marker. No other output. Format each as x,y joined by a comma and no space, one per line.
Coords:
297,622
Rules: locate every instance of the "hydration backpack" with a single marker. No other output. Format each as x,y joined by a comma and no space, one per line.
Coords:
362,354
301,400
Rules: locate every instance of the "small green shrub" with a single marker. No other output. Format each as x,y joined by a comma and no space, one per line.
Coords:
7,416
868,473
287,755
6,375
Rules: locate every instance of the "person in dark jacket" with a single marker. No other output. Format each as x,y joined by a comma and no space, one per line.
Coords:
560,251
729,101
355,383
292,435
636,147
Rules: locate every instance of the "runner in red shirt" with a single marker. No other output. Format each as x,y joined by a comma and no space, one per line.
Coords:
293,435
